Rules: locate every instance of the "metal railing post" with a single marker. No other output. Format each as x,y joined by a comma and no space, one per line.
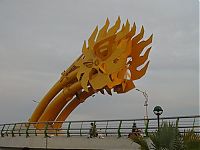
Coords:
68,133
2,134
193,124
36,131
45,130
27,128
177,122
13,130
146,128
106,128
56,131
81,129
94,129
20,129
7,129
119,128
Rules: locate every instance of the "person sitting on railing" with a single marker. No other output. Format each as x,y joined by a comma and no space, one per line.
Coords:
135,131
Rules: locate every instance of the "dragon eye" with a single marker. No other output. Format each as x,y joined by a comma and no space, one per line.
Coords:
103,49
102,52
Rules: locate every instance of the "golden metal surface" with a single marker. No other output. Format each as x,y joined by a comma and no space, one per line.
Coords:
112,60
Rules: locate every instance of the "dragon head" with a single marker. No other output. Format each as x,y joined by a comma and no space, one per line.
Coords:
112,58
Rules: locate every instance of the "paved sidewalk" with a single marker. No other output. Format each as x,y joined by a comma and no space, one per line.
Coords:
63,142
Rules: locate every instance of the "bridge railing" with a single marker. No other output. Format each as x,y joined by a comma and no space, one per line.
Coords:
105,127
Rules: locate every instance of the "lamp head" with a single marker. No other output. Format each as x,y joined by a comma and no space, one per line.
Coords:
158,110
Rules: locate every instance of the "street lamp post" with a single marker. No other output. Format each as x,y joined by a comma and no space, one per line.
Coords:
146,121
158,111
145,103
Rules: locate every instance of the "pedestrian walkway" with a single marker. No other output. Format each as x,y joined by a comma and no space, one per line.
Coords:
63,142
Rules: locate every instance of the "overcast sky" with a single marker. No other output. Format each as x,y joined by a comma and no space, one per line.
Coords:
41,38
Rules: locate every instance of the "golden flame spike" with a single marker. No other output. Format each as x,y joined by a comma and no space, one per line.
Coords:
84,48
127,27
122,29
114,29
137,50
102,33
141,59
120,33
138,37
84,45
147,42
132,32
91,40
125,33
137,74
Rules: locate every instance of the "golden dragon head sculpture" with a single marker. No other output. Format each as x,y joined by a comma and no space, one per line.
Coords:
113,58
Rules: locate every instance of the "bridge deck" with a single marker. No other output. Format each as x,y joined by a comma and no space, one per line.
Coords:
73,134
63,142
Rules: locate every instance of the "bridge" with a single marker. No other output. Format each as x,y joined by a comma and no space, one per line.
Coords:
113,134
